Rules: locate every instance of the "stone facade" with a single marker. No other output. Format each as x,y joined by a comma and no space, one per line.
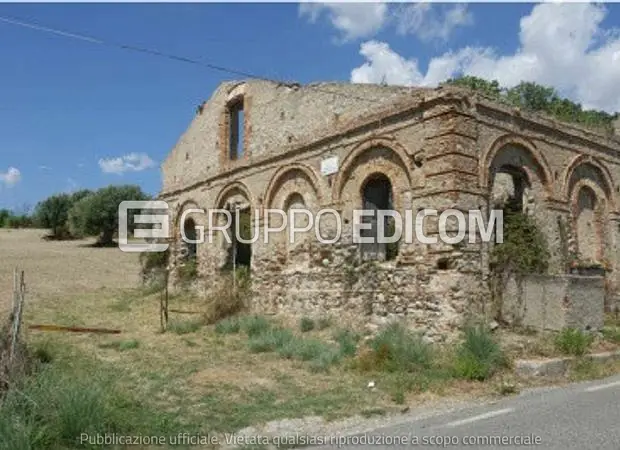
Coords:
438,148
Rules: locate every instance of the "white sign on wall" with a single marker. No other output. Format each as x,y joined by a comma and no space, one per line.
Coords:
329,165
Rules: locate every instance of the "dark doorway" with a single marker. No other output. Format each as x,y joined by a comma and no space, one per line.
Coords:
189,228
240,253
377,196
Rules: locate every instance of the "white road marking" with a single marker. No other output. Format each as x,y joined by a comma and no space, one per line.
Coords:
602,386
480,417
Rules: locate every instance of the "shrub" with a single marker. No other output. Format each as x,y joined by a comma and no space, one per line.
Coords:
270,340
306,324
347,340
572,341
479,356
324,360
230,325
254,325
612,334
396,349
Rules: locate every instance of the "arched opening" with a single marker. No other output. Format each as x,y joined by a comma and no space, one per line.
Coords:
240,253
377,196
190,246
588,225
509,189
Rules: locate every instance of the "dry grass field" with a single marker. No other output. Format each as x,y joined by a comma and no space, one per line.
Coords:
191,378
57,269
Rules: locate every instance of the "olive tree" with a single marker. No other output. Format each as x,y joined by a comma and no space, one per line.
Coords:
97,214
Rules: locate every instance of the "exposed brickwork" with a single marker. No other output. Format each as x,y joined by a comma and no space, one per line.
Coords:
440,148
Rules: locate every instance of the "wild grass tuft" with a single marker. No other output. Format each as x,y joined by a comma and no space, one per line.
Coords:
612,334
270,340
479,356
254,325
306,324
121,346
572,341
53,407
230,325
396,349
185,326
347,341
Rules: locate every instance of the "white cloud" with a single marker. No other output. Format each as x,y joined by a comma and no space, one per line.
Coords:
43,167
353,20
364,20
429,22
561,45
133,162
385,65
11,177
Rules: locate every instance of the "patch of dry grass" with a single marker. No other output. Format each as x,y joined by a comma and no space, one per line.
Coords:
56,269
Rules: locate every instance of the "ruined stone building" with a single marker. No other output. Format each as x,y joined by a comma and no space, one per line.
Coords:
262,145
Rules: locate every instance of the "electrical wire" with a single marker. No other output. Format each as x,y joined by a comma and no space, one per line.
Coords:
98,41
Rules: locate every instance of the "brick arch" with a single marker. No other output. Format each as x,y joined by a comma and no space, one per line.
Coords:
236,187
181,207
605,182
306,173
350,162
541,165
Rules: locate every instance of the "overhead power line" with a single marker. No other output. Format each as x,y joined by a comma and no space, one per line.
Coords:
98,41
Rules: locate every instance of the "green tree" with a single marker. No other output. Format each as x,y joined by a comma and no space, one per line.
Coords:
485,87
537,98
53,212
4,216
97,214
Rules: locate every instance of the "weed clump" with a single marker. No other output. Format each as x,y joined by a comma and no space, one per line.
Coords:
396,349
306,324
479,356
230,325
185,327
572,341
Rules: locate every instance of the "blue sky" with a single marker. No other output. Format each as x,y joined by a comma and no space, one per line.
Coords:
70,111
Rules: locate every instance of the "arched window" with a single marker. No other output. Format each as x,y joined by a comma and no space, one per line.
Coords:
377,196
236,126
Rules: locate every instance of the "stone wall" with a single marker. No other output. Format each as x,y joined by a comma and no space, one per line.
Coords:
441,149
555,302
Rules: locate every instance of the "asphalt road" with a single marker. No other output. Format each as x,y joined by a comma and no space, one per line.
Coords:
583,416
